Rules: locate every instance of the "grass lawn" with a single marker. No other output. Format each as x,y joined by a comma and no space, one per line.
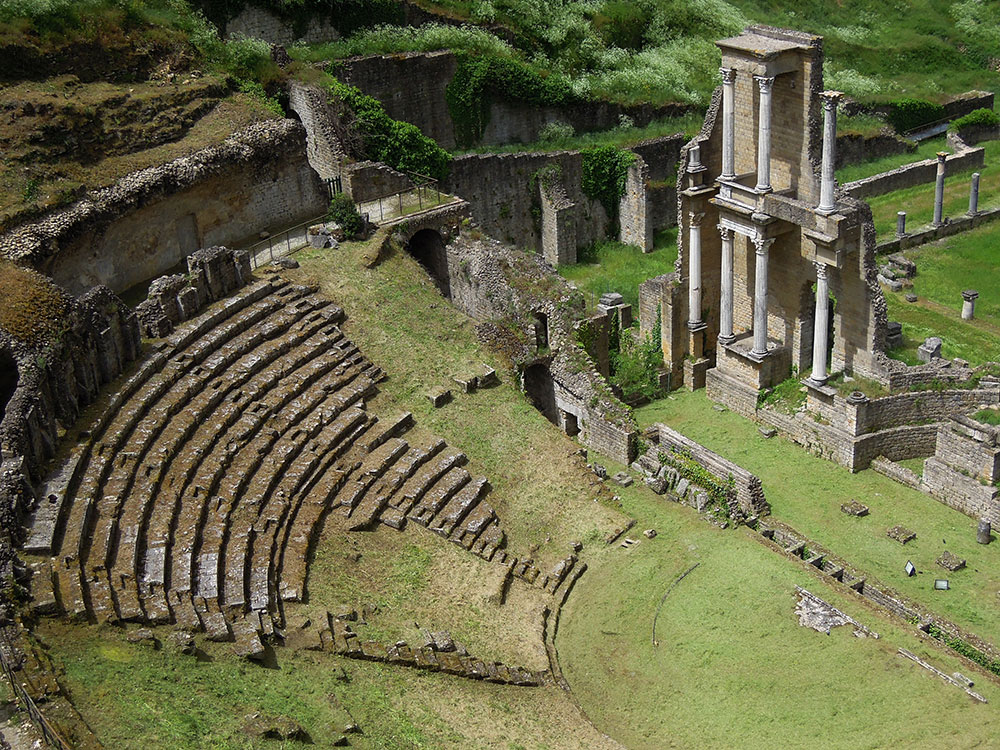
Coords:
614,267
944,269
734,669
925,150
806,492
918,201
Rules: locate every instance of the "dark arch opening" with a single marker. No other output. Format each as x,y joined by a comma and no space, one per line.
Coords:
8,379
428,249
541,392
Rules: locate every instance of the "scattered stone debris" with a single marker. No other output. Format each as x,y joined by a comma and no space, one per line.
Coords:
719,408
628,542
268,727
286,263
142,635
576,546
821,616
901,534
854,508
182,641
622,478
911,297
613,536
649,533
600,471
768,432
951,562
963,679
439,396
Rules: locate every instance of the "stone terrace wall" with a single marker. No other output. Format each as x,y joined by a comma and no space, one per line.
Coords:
411,87
256,180
901,377
323,147
963,159
259,23
908,408
749,490
854,149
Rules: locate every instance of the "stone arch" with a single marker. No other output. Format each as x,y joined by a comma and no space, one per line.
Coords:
8,378
427,247
541,391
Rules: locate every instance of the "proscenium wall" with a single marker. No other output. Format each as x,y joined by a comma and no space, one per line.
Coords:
230,208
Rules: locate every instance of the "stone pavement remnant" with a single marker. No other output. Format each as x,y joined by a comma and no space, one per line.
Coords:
901,534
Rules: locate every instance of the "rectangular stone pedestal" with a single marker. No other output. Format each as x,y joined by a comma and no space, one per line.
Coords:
739,362
694,373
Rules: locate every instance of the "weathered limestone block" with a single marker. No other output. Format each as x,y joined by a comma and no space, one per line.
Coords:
930,349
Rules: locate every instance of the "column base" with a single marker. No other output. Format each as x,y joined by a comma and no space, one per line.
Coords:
756,355
696,325
727,339
816,382
826,210
763,189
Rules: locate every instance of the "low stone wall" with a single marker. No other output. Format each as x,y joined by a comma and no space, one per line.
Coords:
749,490
973,134
902,377
970,101
896,472
922,406
951,226
368,180
213,273
963,493
963,159
258,179
853,148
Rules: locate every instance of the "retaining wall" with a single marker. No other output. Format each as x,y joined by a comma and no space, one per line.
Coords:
258,179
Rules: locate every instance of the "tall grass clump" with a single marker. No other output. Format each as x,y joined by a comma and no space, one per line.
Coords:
384,40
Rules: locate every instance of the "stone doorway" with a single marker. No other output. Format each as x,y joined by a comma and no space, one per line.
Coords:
428,249
541,392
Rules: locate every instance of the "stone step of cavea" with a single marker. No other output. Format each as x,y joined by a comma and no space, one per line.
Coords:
374,465
489,541
477,521
438,495
389,428
460,504
381,493
415,487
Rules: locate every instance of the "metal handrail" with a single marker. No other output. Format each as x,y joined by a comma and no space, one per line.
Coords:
275,240
49,734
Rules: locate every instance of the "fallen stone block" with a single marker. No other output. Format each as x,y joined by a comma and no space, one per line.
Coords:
901,534
439,396
623,479
854,508
767,432
951,562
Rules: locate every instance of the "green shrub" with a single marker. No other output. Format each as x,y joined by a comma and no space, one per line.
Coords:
907,114
623,24
255,91
985,118
398,144
345,213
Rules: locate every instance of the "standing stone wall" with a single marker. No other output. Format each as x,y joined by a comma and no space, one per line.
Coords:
258,179
323,147
257,22
853,148
635,214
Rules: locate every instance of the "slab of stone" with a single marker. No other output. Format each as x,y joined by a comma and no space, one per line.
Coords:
911,297
930,349
486,377
142,635
649,533
682,487
854,508
466,382
611,299
768,432
439,396
600,471
622,478
901,534
951,562
657,484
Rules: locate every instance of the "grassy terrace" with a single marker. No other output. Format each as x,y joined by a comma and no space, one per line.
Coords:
945,268
613,267
918,201
806,492
733,668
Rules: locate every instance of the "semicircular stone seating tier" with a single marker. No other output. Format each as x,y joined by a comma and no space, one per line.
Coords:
196,495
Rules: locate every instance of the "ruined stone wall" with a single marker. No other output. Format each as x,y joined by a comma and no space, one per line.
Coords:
258,179
907,408
259,23
853,148
368,180
635,214
963,159
963,493
505,195
411,87
323,147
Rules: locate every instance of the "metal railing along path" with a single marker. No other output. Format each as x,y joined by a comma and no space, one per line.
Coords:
49,734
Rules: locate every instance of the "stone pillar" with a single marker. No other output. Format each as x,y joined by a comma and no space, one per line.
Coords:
939,189
974,195
728,123
760,297
764,83
983,531
726,303
694,269
821,323
829,180
900,223
969,297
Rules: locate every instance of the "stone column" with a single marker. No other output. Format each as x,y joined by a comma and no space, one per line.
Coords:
939,189
821,323
726,303
900,223
974,195
983,531
694,269
760,297
829,180
969,297
728,124
764,83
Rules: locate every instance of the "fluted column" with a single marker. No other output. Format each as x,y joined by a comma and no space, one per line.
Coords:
694,269
726,305
829,181
760,297
728,124
764,83
821,324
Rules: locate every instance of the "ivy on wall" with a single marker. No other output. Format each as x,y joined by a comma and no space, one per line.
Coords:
399,144
479,80
605,169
